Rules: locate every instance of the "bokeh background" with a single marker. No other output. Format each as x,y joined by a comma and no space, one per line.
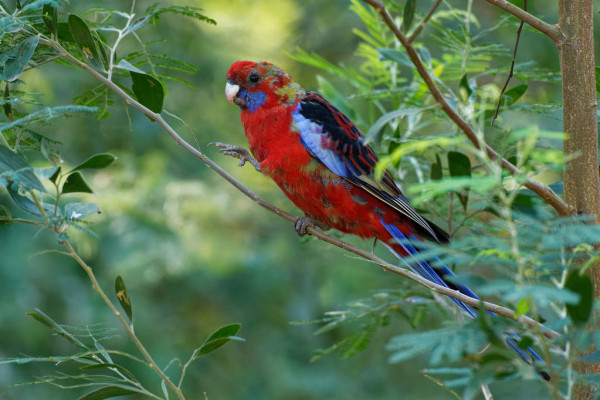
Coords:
195,253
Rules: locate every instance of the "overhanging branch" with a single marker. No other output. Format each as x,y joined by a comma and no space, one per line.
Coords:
539,188
503,311
552,31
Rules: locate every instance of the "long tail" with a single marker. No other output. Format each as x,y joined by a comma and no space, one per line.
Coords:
439,275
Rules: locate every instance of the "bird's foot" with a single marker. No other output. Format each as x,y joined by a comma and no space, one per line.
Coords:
305,222
238,152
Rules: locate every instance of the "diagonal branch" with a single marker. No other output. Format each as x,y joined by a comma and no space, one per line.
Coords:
419,28
539,188
552,31
506,312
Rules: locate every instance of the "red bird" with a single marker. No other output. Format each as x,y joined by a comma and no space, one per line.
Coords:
317,156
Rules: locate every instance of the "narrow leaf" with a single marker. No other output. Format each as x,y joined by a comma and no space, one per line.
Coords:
409,14
85,40
19,57
50,18
385,118
148,90
97,161
436,169
464,90
396,55
107,393
512,95
460,166
126,65
123,297
76,184
582,285
49,322
218,338
10,161
598,82
7,104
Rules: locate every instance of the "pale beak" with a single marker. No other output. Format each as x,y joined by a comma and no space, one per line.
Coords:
231,91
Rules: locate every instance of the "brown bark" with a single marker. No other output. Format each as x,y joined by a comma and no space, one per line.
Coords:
581,182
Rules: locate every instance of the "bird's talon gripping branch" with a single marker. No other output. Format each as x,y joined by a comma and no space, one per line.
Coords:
238,152
305,222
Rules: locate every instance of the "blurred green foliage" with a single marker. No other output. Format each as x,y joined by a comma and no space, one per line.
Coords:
196,254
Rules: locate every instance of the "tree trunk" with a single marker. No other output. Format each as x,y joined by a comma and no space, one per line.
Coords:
581,182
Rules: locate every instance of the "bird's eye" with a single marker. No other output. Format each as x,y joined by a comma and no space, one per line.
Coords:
254,78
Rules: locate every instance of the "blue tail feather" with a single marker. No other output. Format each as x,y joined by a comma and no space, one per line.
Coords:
439,274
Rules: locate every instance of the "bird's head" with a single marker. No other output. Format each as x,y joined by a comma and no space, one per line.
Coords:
251,85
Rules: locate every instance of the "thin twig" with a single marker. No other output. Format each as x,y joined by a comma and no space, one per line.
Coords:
512,65
552,31
506,312
542,190
419,28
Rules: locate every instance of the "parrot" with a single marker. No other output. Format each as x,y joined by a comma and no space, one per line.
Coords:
320,160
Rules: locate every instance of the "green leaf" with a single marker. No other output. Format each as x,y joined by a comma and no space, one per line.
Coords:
46,114
512,95
582,285
436,169
148,90
97,161
218,338
464,90
80,210
76,184
25,203
126,65
19,57
38,315
409,14
396,55
385,118
85,41
50,18
188,11
123,297
21,172
107,393
7,104
459,166
598,81
523,306
46,173
525,343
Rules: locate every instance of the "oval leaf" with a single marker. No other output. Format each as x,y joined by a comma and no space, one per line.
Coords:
582,285
218,338
459,164
123,297
409,14
96,161
50,18
514,94
148,90
107,393
76,184
19,57
396,55
84,39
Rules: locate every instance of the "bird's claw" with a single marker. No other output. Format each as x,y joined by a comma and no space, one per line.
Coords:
308,222
238,152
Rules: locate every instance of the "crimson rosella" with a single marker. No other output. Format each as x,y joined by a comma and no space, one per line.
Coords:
318,158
